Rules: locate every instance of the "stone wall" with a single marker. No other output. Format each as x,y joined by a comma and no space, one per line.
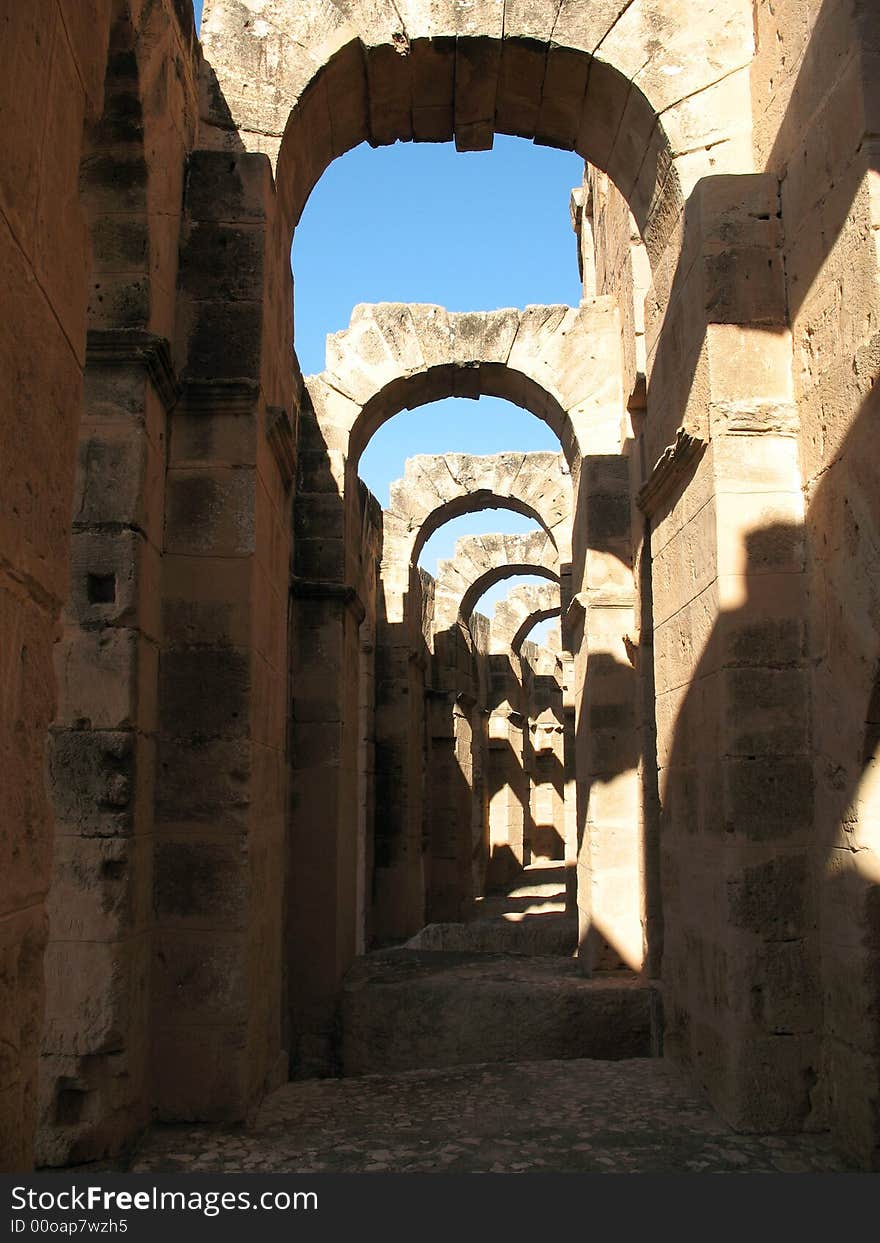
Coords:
52,237
95,1070
814,81
215,609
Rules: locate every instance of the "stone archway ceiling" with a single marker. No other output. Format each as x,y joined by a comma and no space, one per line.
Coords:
481,561
640,88
560,363
515,615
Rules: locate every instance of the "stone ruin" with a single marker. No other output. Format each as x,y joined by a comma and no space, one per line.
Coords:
247,743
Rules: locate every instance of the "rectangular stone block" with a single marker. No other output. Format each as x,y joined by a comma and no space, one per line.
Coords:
204,783
93,780
772,898
224,340
321,559
207,600
106,680
22,941
214,439
766,712
389,82
96,994
210,512
768,626
433,85
520,83
201,883
120,479
101,888
205,693
114,580
223,261
477,65
562,99
199,980
224,185
768,798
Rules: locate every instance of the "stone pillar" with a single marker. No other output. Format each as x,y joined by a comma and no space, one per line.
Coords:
741,996
609,851
103,758
401,659
450,780
508,782
218,883
569,789
366,785
322,937
479,799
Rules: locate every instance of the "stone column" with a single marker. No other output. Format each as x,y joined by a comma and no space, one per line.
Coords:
450,789
103,758
508,779
322,936
401,660
733,736
218,883
609,851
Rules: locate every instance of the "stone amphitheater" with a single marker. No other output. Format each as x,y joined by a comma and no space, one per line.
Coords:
305,862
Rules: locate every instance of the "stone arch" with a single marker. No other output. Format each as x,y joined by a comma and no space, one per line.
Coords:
480,562
618,86
528,625
557,362
523,608
437,488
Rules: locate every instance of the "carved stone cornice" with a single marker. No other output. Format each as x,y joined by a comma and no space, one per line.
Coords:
221,396
135,347
754,418
671,471
320,589
279,433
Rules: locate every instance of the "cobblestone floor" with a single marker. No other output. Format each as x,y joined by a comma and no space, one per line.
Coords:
634,1117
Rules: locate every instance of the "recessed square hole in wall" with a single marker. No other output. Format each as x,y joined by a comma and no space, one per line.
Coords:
101,588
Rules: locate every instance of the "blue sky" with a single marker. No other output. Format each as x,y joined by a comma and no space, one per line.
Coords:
418,222
425,223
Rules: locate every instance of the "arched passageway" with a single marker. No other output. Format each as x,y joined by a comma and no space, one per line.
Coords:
723,479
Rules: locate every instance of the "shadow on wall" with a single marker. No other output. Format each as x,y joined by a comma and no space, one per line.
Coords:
735,829
607,748
843,526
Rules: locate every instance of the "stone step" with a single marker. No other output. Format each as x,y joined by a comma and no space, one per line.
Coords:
408,1009
542,935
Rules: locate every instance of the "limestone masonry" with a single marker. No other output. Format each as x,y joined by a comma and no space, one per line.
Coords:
276,804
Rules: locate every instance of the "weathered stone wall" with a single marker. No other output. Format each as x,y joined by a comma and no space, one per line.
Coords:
743,146
815,85
617,267
95,1070
52,238
728,602
55,80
